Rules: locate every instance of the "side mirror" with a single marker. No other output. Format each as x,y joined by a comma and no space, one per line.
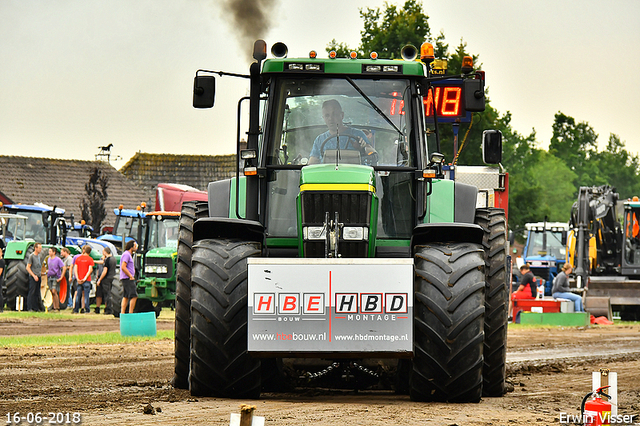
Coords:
204,90
474,95
564,238
512,237
492,146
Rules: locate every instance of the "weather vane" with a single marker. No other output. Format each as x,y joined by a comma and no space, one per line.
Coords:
105,154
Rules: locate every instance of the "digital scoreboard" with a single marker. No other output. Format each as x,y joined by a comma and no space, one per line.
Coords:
448,98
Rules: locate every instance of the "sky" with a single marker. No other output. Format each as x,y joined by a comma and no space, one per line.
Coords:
76,75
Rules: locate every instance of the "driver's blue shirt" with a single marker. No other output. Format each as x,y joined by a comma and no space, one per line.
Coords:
345,142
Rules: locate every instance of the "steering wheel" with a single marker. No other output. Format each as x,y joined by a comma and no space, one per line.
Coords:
350,139
366,158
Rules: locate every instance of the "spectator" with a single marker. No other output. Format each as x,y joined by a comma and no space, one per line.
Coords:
103,285
82,271
34,269
561,290
127,276
526,290
55,268
67,272
528,287
2,265
75,283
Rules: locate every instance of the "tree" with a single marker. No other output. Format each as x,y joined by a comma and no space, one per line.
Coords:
92,204
575,143
618,168
555,179
387,33
526,195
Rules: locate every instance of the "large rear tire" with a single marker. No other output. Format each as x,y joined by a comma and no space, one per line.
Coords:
17,280
220,363
496,301
191,211
448,323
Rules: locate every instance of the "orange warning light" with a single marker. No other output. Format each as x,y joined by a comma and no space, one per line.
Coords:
467,64
426,52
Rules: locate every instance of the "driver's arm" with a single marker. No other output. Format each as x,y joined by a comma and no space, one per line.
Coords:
314,155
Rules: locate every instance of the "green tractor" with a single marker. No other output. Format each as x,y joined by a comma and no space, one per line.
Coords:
157,236
157,285
341,238
42,224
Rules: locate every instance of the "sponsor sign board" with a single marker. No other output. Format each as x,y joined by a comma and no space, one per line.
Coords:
330,305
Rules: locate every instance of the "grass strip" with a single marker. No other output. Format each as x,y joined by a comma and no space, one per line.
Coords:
80,339
166,314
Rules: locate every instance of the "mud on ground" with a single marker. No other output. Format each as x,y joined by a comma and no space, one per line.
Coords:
118,383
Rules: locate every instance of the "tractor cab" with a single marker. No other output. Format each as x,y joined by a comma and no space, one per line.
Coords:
129,225
45,224
12,228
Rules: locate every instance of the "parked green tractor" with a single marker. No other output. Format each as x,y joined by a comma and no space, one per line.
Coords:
157,285
157,236
45,225
341,239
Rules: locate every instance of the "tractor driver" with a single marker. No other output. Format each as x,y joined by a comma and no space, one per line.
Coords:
350,138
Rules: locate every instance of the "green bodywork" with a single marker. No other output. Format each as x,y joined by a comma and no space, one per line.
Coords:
343,65
159,289
440,204
344,178
17,250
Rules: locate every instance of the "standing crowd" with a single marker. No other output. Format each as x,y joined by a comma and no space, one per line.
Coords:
77,273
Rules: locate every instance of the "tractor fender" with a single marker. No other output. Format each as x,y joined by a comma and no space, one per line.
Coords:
219,198
465,202
446,232
222,227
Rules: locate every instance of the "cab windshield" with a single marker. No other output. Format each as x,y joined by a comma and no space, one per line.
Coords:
372,110
127,226
13,228
164,233
372,120
554,248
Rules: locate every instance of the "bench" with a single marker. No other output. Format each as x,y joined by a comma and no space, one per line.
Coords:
547,305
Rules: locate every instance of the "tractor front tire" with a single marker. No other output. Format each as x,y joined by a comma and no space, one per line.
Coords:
496,300
191,211
117,292
449,309
146,305
17,280
220,362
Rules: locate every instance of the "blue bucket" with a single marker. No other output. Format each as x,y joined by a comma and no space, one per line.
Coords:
138,324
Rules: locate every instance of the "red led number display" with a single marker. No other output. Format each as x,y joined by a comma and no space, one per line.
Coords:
448,100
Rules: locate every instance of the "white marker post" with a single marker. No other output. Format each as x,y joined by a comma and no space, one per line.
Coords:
606,378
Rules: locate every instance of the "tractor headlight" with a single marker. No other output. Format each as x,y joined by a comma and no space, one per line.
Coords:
355,233
314,232
155,269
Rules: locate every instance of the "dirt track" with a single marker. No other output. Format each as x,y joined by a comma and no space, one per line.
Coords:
112,384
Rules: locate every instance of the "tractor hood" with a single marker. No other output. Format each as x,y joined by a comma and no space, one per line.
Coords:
165,252
331,176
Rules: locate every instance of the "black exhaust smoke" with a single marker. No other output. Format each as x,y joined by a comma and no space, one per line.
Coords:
252,18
